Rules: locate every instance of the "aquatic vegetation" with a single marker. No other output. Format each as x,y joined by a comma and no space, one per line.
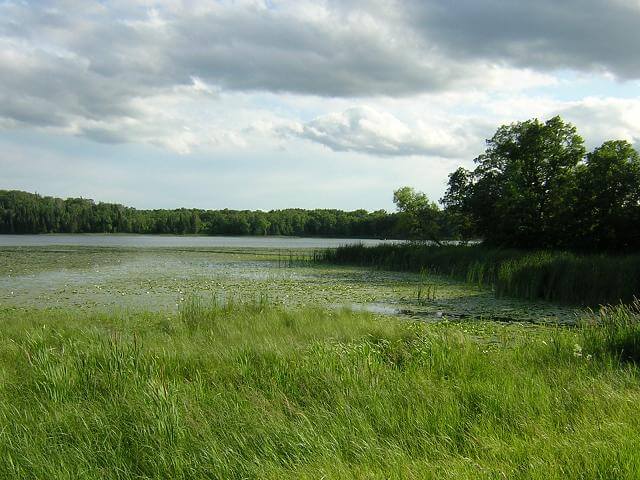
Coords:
157,279
552,276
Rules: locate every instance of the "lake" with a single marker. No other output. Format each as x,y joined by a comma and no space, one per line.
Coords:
108,277
124,240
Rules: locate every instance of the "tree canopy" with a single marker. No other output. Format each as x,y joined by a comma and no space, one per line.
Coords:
22,212
535,186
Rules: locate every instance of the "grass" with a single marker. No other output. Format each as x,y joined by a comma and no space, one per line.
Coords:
613,332
226,389
554,276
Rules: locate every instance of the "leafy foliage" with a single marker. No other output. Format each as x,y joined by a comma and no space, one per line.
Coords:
535,186
22,212
418,217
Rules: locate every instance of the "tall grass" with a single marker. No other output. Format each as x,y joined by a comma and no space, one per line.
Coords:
230,390
613,332
556,276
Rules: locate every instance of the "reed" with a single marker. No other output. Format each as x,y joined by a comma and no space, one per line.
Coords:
613,332
555,276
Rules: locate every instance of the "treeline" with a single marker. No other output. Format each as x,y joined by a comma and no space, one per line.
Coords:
535,186
22,212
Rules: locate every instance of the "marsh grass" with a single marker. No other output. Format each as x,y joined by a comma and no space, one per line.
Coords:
230,389
297,258
554,276
427,291
613,332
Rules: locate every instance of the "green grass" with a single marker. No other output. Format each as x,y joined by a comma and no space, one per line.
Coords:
251,390
554,276
613,332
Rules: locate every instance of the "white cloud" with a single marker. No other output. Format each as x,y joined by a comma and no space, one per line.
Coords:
366,130
390,82
602,119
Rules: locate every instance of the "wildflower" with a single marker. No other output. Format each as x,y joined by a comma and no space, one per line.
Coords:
577,350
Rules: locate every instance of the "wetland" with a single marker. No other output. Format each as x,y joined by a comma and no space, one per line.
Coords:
160,278
223,362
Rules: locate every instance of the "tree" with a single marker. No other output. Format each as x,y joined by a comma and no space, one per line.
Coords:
457,211
418,215
517,194
608,206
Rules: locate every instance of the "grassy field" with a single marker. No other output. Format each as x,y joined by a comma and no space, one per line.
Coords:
253,390
564,277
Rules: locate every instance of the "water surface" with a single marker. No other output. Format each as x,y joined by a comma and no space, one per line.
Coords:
126,240
112,277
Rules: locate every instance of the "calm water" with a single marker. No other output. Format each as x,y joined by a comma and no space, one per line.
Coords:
178,241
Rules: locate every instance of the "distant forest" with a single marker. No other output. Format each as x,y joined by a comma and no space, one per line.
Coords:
535,186
22,212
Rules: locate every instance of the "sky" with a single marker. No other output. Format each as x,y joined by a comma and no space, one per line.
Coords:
264,104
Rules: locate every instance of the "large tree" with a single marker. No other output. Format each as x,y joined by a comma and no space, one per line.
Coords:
517,194
607,210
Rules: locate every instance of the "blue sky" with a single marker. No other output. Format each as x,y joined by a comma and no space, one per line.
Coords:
261,105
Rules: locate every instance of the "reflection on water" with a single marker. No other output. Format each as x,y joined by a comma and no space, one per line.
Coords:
373,307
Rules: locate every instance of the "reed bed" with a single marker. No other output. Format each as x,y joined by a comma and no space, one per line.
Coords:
555,276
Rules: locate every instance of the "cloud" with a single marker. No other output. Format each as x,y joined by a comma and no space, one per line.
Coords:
581,35
602,119
167,72
92,59
364,129
371,130
105,70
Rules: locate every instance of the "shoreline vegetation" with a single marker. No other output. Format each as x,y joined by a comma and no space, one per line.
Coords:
253,390
563,277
